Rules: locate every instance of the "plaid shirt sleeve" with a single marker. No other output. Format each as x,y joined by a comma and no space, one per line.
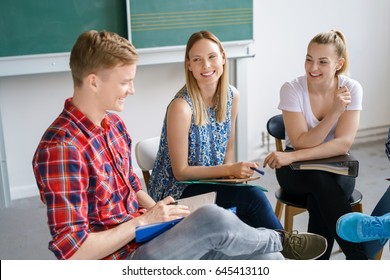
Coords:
134,180
63,186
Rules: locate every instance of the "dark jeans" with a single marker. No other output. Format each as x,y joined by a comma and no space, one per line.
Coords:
327,199
253,207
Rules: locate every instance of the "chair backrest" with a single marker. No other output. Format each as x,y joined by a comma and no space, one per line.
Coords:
275,127
145,153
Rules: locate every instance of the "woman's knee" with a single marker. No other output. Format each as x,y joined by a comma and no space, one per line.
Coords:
256,192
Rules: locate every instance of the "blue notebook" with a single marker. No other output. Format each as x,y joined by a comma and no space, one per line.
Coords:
148,232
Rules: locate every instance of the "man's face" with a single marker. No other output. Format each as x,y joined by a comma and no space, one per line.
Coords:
113,86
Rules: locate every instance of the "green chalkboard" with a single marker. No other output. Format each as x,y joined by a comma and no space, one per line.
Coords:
52,26
163,23
30,27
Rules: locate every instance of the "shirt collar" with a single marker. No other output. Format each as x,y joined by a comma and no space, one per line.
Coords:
83,122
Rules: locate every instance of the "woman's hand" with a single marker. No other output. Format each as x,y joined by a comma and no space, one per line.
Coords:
341,100
164,211
242,170
278,159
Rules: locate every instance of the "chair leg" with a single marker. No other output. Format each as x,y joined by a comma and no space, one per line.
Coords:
279,209
357,208
379,255
288,218
289,213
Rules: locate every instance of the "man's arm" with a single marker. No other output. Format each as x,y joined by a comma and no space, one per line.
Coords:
101,244
144,200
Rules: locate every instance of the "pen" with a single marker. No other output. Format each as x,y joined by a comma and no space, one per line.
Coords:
258,170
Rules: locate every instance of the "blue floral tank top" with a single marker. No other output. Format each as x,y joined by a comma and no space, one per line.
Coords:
207,147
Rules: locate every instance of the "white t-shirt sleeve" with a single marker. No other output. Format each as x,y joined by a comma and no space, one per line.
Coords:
291,96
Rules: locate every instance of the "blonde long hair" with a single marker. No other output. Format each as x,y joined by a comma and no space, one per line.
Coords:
200,107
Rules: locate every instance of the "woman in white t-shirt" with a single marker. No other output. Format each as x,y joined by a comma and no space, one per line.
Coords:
321,112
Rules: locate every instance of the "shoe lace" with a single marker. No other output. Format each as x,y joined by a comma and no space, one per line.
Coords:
293,242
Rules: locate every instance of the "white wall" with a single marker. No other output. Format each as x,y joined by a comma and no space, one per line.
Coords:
29,103
283,29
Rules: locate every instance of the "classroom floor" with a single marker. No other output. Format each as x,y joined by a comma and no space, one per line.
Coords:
24,234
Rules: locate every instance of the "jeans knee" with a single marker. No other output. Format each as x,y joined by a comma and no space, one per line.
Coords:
215,218
211,212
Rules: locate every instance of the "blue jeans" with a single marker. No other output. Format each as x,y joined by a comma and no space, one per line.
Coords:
212,232
372,248
253,207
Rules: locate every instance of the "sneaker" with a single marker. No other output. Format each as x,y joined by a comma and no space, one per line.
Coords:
358,227
303,246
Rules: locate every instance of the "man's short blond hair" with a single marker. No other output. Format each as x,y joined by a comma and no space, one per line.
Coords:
95,50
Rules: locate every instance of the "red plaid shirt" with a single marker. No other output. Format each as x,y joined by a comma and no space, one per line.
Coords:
85,178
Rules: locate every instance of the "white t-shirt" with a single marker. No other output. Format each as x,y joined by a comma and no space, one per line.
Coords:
294,97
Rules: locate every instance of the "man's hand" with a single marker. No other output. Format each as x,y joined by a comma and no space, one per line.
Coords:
163,211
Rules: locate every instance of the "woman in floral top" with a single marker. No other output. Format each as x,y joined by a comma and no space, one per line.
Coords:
197,139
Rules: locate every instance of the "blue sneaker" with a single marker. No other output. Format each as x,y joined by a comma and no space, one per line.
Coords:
358,227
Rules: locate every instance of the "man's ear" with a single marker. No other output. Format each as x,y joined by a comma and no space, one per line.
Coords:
91,80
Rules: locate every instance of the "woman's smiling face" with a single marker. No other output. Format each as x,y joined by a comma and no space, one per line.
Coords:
321,62
206,61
